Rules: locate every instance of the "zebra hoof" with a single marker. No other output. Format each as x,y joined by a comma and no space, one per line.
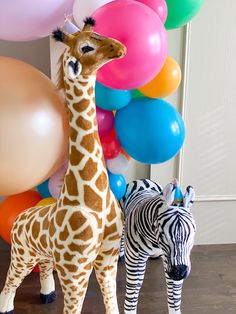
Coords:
154,257
48,298
10,312
121,258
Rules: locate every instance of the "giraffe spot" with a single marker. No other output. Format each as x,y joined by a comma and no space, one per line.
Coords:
112,213
100,237
101,182
45,224
52,229
35,229
91,112
89,170
108,198
43,211
75,156
78,248
83,83
69,96
21,251
67,86
95,123
82,105
113,238
116,252
64,234
85,235
110,230
82,260
88,267
90,90
68,202
108,252
60,216
78,92
58,246
88,142
57,256
77,220
43,241
92,249
71,268
92,199
73,134
68,257
61,270
66,281
83,124
99,220
71,184
20,229
99,258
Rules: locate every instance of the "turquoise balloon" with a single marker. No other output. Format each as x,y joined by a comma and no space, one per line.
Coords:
180,12
43,189
150,130
117,184
111,99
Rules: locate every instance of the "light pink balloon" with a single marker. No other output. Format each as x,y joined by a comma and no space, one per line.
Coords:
56,181
159,6
23,20
118,165
105,121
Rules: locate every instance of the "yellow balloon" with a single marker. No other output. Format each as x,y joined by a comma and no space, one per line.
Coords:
33,127
46,201
166,81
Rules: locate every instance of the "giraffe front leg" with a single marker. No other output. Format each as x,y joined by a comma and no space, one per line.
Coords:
47,291
174,292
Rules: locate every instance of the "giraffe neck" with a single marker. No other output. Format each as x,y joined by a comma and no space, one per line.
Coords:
86,178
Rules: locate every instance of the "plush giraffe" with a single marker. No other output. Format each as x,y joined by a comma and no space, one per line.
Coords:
82,230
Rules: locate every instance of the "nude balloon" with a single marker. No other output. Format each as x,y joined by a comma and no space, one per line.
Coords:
33,127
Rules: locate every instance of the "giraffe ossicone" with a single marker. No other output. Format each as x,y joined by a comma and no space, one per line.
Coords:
82,230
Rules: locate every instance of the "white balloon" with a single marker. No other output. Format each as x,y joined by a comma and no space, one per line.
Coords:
118,165
85,8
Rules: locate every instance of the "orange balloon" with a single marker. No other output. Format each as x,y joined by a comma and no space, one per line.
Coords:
11,207
166,82
33,127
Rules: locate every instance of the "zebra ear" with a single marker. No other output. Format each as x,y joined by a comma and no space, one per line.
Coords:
169,193
189,197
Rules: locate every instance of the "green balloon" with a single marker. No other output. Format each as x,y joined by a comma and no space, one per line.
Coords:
180,12
136,93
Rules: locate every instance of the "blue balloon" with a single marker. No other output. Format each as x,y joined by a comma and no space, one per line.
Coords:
150,130
43,189
117,184
111,99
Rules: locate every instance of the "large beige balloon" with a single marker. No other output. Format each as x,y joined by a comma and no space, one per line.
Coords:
33,127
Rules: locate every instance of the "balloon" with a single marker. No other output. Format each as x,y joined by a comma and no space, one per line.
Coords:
159,6
84,8
118,165
105,121
166,82
46,201
110,145
150,130
111,99
140,29
33,127
12,207
24,20
43,189
181,12
117,185
136,94
56,182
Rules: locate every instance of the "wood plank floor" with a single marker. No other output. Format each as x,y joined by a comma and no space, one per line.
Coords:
210,289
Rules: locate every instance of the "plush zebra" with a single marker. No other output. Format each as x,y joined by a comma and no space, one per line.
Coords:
157,223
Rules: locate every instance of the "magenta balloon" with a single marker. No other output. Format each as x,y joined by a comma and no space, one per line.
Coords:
23,20
159,6
105,121
140,29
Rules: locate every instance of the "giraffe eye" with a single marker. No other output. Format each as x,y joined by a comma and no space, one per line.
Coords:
85,48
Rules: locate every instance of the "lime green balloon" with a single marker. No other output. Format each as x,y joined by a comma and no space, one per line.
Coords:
180,12
136,93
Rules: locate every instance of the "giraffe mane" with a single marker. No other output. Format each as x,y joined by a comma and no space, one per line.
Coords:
89,21
60,74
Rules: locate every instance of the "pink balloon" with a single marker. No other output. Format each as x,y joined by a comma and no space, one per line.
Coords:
23,20
140,29
159,6
105,121
56,181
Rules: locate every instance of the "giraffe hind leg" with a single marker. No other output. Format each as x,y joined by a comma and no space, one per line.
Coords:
47,291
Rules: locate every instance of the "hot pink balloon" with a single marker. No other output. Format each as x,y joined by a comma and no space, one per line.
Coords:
23,20
105,121
159,6
140,29
56,181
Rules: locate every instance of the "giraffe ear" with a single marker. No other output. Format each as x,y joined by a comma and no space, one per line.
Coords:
73,68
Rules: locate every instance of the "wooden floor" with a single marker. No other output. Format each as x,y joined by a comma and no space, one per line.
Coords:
210,289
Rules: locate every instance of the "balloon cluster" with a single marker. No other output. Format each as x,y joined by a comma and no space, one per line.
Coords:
133,120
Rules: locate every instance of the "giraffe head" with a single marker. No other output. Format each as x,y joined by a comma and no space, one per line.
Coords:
89,50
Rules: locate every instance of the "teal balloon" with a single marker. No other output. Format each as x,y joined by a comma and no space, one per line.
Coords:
117,184
150,130
43,189
111,99
178,194
180,12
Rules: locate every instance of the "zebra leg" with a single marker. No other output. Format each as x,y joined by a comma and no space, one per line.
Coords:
135,270
122,246
174,292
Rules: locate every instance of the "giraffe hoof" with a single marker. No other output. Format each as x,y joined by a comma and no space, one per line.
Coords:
48,298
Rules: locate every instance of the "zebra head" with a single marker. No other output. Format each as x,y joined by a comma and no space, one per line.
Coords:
175,232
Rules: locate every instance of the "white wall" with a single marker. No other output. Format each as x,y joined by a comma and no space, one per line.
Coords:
208,100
